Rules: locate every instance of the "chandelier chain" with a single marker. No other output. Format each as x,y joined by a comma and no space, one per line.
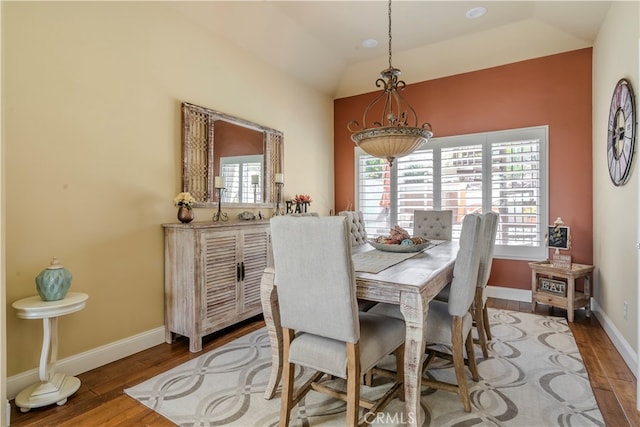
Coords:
392,136
390,66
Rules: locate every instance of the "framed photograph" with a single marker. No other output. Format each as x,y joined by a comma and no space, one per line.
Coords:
558,237
555,287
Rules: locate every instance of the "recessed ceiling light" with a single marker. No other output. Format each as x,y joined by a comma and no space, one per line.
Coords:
476,12
369,43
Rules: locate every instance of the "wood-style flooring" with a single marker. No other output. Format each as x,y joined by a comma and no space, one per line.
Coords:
101,400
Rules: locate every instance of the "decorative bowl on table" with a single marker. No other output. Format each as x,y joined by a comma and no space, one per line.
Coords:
399,241
399,248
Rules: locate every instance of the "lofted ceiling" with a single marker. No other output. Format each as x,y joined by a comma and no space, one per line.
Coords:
319,42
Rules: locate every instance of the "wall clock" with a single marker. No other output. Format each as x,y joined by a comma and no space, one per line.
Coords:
621,134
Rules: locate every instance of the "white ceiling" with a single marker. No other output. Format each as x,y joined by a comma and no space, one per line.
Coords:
319,42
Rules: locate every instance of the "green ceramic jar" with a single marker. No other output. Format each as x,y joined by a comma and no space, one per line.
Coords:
53,282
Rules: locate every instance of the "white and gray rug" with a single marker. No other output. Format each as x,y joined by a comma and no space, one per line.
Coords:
533,377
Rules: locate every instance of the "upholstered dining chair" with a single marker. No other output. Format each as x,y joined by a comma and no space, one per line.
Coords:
355,219
479,306
322,327
450,323
479,311
433,225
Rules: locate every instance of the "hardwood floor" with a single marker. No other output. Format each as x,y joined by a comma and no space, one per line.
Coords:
102,402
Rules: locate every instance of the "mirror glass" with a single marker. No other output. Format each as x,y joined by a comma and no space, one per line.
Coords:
220,150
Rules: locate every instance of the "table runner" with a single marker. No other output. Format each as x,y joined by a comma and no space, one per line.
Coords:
374,261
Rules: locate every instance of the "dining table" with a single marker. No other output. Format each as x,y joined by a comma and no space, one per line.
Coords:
409,280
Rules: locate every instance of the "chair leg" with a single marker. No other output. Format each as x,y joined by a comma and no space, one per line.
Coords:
353,384
287,379
471,358
479,321
399,353
458,363
367,378
487,328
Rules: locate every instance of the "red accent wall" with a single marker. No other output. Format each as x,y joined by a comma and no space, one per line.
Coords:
554,90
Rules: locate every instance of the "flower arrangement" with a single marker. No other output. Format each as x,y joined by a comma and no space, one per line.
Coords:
302,198
184,199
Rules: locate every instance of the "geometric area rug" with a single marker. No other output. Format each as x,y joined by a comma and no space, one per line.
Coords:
534,376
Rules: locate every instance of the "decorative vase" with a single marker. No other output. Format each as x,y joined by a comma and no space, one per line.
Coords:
185,214
53,282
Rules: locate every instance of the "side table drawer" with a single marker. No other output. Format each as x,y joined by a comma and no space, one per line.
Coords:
550,299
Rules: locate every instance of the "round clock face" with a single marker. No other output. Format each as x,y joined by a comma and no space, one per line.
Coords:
621,133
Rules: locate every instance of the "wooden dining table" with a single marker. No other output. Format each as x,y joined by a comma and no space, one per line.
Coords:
410,283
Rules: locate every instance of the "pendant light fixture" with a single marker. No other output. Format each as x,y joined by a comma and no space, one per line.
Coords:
396,133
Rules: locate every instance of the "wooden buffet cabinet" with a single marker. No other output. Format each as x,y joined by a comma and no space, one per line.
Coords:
212,276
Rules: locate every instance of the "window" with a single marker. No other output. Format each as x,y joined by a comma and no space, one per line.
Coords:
237,172
504,171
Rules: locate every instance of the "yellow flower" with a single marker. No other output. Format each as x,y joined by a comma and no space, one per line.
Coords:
184,199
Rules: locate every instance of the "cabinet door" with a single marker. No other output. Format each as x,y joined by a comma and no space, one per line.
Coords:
220,265
255,254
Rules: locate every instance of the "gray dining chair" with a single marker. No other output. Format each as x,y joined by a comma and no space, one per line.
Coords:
479,307
355,219
449,324
322,327
433,225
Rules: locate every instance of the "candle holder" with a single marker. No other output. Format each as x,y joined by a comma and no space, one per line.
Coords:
220,216
278,210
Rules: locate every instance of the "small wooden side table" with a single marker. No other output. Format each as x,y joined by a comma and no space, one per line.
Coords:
570,299
53,387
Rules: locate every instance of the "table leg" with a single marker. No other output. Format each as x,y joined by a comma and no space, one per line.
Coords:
571,284
414,309
49,352
53,387
534,284
271,312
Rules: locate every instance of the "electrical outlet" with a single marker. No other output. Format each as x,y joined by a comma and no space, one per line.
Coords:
626,311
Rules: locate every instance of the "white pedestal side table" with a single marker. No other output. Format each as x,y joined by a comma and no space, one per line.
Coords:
53,387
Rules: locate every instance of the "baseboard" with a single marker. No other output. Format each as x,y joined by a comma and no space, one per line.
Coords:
94,358
626,351
509,293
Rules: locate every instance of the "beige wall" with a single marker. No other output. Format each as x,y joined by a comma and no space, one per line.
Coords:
615,209
92,94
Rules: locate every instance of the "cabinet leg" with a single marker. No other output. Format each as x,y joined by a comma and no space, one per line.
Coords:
168,336
195,344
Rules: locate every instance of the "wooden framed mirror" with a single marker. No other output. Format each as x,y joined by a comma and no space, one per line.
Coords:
247,155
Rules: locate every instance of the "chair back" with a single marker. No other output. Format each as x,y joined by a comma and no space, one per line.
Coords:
315,277
436,225
487,245
355,219
465,271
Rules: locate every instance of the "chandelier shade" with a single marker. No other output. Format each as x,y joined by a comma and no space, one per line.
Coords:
391,142
391,136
